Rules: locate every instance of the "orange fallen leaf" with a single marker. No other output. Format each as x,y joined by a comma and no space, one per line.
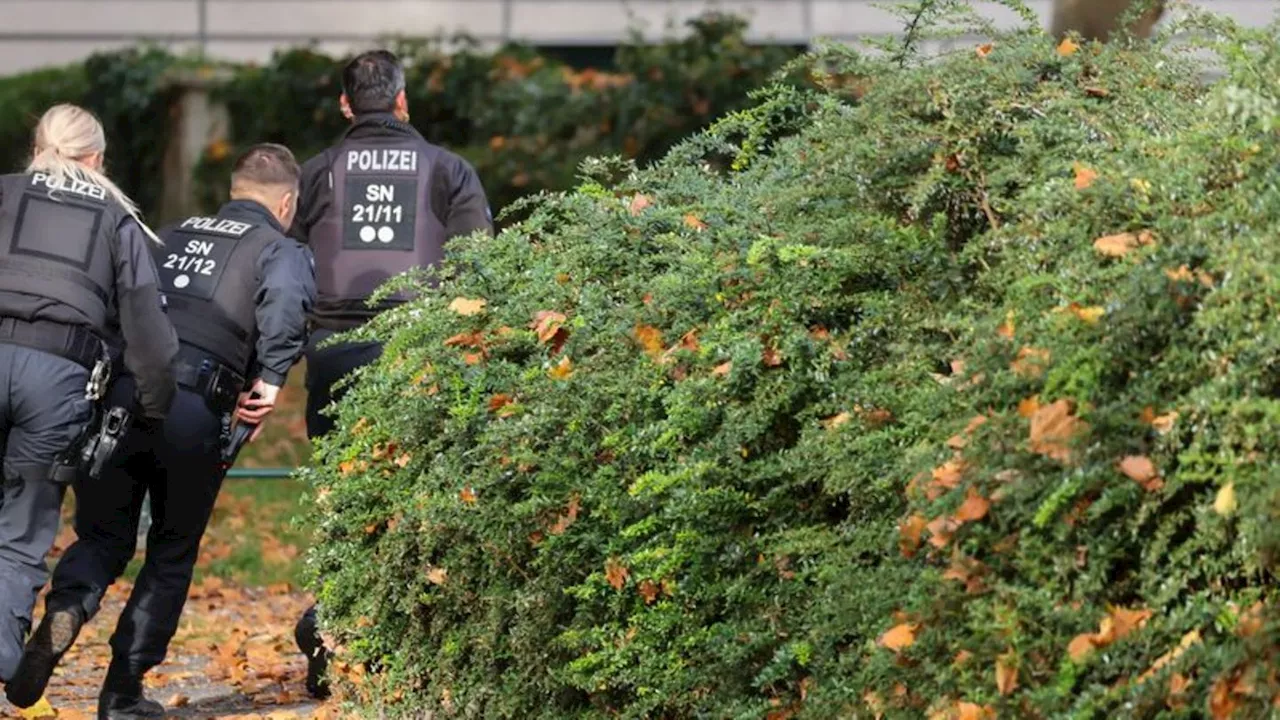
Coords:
650,339
1141,470
1007,327
468,496
941,530
1178,684
1187,641
639,203
1028,406
1007,673
692,221
961,439
1251,621
771,357
649,591
1222,700
899,637
467,306
1084,176
403,460
437,576
499,401
562,370
1090,314
943,478
835,421
909,532
1053,428
1122,244
962,657
1125,621
616,573
723,369
546,323
1080,647
971,711
974,508
568,518
985,49
1067,47
1031,362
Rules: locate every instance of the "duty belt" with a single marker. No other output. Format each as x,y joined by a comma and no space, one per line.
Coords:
218,384
73,342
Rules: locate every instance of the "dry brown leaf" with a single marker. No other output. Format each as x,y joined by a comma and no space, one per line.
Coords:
771,357
943,478
403,460
1222,700
1090,314
1007,673
1141,470
1125,621
1080,647
650,339
1031,362
547,323
899,637
1182,273
1029,406
616,573
962,657
694,222
437,576
909,532
568,518
1007,327
873,417
1084,176
961,439
973,508
500,401
1053,428
1187,641
835,421
639,203
467,306
722,370
176,701
561,370
468,496
971,711
941,530
1067,47
649,591
985,49
1250,622
1122,244
1097,92
1178,684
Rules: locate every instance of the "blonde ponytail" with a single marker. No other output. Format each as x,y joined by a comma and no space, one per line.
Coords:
66,137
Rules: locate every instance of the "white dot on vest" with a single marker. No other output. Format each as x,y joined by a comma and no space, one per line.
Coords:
181,281
367,233
386,234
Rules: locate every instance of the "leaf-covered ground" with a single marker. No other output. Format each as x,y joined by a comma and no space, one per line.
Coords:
234,654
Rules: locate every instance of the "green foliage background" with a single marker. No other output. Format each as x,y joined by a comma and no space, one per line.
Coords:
691,492
525,120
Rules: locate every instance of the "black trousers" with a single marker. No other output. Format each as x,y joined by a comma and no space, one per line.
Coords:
179,463
42,410
325,367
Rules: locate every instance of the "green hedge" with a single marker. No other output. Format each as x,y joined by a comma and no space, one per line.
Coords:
525,120
946,390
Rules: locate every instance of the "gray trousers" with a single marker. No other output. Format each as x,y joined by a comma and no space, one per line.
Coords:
42,410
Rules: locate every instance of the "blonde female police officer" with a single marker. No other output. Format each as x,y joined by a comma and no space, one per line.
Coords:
238,293
75,261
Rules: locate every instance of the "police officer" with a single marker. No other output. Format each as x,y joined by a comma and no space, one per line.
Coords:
74,261
381,201
238,291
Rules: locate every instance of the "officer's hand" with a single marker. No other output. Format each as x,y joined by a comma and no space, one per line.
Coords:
258,402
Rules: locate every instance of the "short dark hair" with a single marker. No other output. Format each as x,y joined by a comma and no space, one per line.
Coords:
372,80
266,164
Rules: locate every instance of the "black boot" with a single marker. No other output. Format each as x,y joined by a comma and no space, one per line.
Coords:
117,706
45,648
122,698
307,635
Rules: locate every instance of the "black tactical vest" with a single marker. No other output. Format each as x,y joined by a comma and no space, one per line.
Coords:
208,270
380,221
56,242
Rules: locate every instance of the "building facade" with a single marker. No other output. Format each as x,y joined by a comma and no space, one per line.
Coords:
37,33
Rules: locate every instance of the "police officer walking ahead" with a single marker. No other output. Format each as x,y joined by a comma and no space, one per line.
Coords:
74,261
382,201
239,291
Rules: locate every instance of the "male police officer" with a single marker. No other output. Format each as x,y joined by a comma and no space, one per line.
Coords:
238,291
382,201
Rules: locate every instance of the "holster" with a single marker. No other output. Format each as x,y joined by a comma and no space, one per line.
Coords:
101,435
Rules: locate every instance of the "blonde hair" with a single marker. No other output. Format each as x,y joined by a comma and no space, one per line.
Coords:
66,137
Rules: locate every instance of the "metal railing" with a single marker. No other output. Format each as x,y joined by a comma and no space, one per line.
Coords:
266,473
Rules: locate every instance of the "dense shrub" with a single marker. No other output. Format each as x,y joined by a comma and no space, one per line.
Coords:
946,390
523,119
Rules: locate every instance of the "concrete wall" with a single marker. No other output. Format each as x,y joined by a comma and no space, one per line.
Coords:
35,33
